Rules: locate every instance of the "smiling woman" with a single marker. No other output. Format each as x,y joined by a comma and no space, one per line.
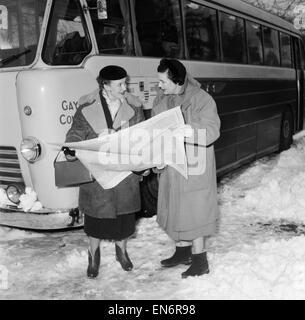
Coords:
109,213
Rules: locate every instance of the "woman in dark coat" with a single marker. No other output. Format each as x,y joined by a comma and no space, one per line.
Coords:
109,213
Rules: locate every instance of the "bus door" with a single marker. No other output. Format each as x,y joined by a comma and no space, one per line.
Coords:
299,66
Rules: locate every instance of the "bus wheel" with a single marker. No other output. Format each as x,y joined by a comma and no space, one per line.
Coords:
286,130
149,195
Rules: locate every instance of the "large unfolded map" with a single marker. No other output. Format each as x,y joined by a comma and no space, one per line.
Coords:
156,142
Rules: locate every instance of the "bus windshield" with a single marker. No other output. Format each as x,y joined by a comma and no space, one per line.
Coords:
67,39
20,25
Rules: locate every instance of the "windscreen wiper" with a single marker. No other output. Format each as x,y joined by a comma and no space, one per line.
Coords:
14,57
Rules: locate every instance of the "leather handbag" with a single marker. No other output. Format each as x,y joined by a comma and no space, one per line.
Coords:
70,173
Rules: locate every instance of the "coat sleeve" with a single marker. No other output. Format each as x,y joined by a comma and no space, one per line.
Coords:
78,130
202,114
153,110
139,112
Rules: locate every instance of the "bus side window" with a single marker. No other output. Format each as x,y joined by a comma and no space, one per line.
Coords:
201,32
113,34
271,47
296,53
285,50
233,38
254,42
159,28
302,49
67,41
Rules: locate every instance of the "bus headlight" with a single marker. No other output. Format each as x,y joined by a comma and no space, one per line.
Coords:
13,193
30,149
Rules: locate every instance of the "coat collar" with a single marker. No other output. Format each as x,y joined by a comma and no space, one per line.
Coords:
123,116
94,114
188,90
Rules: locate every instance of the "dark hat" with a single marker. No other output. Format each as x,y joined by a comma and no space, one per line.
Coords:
112,73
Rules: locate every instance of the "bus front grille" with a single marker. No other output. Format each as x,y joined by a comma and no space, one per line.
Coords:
10,172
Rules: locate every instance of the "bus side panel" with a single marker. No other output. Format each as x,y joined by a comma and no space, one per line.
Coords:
251,112
53,97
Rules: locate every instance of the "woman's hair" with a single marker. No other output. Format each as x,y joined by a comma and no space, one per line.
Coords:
175,70
102,82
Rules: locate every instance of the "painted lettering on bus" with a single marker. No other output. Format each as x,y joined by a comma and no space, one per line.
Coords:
69,105
69,108
65,119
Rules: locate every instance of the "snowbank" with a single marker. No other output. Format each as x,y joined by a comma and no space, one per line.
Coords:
28,200
272,189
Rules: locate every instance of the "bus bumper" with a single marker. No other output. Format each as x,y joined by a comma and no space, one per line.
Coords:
44,220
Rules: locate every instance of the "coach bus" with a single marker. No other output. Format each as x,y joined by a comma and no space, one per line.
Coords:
51,51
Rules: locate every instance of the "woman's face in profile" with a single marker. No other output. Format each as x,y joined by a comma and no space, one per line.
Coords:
167,85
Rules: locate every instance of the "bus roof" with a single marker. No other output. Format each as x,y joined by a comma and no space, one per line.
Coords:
256,13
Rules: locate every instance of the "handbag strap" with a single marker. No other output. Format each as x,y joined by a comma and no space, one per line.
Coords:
60,151
106,112
56,157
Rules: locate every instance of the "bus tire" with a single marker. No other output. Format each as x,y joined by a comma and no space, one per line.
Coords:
149,195
286,130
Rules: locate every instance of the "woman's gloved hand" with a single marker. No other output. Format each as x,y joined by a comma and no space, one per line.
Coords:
143,173
69,154
158,170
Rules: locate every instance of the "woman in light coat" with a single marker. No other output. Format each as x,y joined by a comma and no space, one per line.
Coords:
187,208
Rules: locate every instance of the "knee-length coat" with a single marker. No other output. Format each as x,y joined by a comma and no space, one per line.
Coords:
88,122
187,208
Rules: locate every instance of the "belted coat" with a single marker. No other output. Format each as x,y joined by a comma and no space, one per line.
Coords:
88,122
187,208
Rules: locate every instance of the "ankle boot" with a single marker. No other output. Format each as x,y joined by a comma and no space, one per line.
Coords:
123,259
182,255
94,263
198,267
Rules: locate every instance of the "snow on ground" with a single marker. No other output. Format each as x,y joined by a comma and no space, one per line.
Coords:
7,234
257,253
28,200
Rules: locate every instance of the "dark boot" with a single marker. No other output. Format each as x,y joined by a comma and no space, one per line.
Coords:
94,263
198,267
123,258
182,255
